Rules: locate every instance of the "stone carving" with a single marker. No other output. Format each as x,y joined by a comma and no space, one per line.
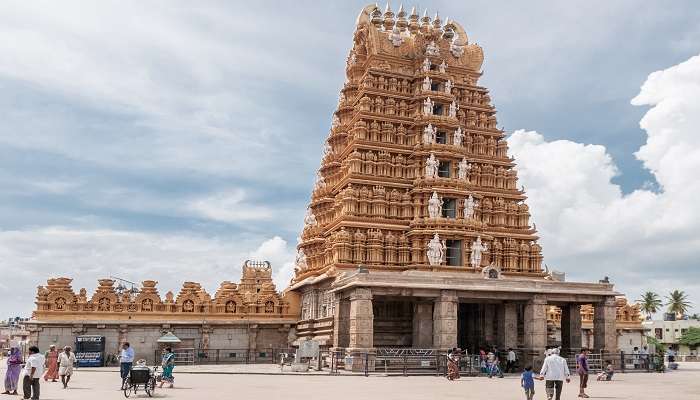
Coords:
435,206
336,121
469,205
456,49
463,170
448,87
395,37
457,137
491,272
320,182
436,250
426,65
301,264
428,106
453,110
477,249
431,167
429,134
442,68
432,49
310,219
427,82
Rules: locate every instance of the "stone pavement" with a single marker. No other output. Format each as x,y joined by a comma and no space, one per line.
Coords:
91,384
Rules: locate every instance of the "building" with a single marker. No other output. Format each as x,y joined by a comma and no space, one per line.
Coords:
417,234
241,321
628,324
13,333
669,333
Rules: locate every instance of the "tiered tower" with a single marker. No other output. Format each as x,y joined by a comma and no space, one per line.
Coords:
415,173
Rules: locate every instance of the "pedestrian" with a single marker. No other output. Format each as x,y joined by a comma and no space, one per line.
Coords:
65,365
14,367
582,370
527,381
33,370
644,355
494,365
168,363
635,357
453,364
51,357
554,372
126,360
510,360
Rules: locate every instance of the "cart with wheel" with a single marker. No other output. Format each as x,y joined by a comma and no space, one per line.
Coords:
140,378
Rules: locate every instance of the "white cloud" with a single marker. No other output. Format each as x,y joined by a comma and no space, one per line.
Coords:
229,207
29,257
282,258
589,228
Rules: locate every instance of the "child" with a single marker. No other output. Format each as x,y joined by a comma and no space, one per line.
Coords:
527,381
607,373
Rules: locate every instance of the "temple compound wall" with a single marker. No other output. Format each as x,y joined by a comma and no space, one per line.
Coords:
247,319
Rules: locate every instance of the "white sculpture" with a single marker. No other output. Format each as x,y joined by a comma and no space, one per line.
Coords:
336,121
426,65
453,109
463,169
341,98
427,82
457,137
436,250
469,205
434,206
429,134
431,167
352,60
448,87
443,67
477,249
432,49
427,106
310,218
395,37
301,261
320,182
456,49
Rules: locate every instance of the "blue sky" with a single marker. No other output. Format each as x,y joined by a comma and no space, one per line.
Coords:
172,141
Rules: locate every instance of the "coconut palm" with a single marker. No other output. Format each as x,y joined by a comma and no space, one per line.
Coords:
650,303
678,303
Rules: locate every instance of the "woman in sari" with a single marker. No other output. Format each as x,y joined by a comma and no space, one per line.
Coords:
453,364
168,364
14,367
51,364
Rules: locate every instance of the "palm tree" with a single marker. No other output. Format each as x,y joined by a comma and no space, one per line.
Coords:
650,303
678,303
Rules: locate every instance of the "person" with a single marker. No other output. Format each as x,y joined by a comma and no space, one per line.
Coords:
494,365
168,363
554,371
644,356
510,360
527,381
607,373
582,371
33,370
482,360
126,360
453,364
635,357
65,365
14,367
51,357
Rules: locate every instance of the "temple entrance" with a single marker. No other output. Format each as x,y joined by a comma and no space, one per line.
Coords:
483,325
393,323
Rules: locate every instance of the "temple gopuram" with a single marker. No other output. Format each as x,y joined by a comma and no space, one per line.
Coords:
417,234
246,319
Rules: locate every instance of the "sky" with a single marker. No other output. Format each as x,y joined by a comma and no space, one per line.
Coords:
170,140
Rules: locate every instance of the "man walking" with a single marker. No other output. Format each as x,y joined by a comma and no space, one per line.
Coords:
510,360
126,359
33,370
554,372
582,370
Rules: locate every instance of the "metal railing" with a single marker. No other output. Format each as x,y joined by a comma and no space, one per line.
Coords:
226,356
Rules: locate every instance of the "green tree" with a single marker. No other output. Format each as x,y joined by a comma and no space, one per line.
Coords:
650,303
691,337
678,303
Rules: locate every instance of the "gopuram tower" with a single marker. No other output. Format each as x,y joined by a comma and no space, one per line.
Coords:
417,234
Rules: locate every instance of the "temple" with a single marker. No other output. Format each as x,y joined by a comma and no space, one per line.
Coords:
417,234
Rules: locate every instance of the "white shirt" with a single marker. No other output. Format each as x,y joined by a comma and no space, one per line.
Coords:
511,355
65,360
555,368
36,361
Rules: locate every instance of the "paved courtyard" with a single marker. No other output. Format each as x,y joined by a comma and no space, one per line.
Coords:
103,385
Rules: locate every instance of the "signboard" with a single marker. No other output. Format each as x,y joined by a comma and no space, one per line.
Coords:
308,349
89,359
89,350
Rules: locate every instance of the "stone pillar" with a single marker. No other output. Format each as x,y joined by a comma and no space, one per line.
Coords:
252,341
361,331
423,325
341,324
571,328
507,326
488,323
445,320
535,331
604,332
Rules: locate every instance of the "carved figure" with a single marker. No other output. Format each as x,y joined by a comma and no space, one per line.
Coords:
463,169
432,49
426,84
301,261
469,205
453,110
427,106
448,87
442,67
431,167
457,137
434,206
320,182
436,250
395,37
310,218
477,249
426,65
429,134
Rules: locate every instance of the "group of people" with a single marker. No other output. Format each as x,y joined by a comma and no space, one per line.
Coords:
50,365
489,362
126,361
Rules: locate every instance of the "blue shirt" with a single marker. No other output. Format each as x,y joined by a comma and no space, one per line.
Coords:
527,380
127,355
